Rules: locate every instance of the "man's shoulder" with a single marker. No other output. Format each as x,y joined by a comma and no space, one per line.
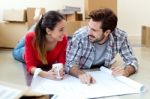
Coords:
120,33
81,33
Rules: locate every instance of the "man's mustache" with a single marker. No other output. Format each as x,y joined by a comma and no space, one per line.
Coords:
91,36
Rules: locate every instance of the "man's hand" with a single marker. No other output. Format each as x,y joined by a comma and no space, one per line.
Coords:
120,71
86,79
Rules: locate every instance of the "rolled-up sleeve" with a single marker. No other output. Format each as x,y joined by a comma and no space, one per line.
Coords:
128,55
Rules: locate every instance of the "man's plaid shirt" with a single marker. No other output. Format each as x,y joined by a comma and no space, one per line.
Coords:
80,50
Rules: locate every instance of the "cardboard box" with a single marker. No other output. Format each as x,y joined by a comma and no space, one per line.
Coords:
145,36
72,26
11,33
84,23
143,39
30,15
97,4
15,15
147,43
74,17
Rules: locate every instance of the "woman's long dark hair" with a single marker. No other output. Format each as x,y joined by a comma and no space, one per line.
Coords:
49,20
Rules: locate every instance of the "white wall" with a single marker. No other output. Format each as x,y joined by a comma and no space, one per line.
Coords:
131,13
48,4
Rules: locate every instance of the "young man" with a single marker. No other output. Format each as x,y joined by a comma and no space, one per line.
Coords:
97,44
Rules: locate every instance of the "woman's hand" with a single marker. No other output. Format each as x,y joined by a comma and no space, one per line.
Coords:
51,74
62,72
55,75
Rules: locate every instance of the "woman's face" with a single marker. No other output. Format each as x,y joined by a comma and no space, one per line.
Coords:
58,33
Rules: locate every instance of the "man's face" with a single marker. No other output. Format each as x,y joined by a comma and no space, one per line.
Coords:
96,34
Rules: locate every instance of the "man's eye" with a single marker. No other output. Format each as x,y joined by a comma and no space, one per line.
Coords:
93,30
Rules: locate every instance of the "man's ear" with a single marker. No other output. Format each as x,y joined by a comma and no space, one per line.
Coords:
48,31
107,32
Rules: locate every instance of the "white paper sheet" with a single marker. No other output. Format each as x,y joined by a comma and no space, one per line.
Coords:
8,92
106,85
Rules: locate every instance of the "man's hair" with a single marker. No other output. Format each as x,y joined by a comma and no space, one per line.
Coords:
106,16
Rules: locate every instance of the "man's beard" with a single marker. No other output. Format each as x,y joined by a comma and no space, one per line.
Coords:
97,40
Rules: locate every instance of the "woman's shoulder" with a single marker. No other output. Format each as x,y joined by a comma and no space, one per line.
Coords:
30,35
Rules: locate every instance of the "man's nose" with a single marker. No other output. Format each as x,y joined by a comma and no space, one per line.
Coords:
90,32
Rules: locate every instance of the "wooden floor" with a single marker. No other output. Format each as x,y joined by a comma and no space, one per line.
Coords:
11,70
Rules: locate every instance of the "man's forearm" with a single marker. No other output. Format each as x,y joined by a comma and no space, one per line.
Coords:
75,71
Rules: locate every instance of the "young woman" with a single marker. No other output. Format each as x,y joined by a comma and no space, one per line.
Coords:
45,46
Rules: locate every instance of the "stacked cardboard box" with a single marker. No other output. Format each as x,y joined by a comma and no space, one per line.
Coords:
97,4
15,25
11,32
74,17
73,26
84,23
30,15
145,36
89,6
74,21
14,15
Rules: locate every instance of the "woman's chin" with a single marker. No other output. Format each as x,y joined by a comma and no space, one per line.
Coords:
60,39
